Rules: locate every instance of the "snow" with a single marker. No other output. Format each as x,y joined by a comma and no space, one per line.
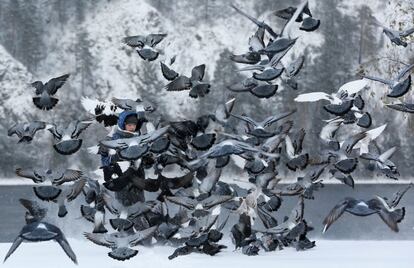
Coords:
326,254
15,82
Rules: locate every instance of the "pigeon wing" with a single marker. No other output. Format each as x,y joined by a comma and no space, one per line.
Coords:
197,74
272,119
334,214
141,235
179,84
167,72
66,248
186,202
34,209
79,127
75,189
100,239
55,83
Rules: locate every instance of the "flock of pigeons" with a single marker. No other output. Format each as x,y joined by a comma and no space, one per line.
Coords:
145,206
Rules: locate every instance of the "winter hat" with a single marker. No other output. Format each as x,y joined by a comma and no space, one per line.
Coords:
131,119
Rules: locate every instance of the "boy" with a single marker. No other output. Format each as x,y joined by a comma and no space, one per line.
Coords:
128,126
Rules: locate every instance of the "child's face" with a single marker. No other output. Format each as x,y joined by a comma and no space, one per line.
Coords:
130,127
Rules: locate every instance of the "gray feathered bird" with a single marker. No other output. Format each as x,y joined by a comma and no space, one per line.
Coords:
385,209
145,45
37,230
68,136
194,83
56,176
121,242
396,37
398,85
26,131
44,99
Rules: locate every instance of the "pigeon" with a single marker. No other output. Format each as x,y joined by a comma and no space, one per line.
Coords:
294,67
194,83
133,105
294,219
278,48
37,230
260,24
293,15
104,112
399,85
342,159
56,176
167,71
383,163
396,37
223,110
259,127
378,205
44,99
304,185
198,203
204,141
125,213
287,13
340,102
145,45
250,57
229,147
371,135
26,131
310,24
121,242
68,136
329,131
256,46
95,212
66,194
343,178
297,160
259,89
271,69
402,107
135,147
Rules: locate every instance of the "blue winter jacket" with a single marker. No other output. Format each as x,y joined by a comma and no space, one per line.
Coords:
120,133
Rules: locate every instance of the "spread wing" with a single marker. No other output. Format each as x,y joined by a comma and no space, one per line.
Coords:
197,74
79,127
75,189
334,214
55,83
34,209
141,235
100,239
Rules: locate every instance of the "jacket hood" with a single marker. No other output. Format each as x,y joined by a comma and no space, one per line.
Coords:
122,118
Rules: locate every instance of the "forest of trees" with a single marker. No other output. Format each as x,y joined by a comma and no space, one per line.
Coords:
52,37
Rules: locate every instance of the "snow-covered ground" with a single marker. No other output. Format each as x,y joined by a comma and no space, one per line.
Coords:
327,254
